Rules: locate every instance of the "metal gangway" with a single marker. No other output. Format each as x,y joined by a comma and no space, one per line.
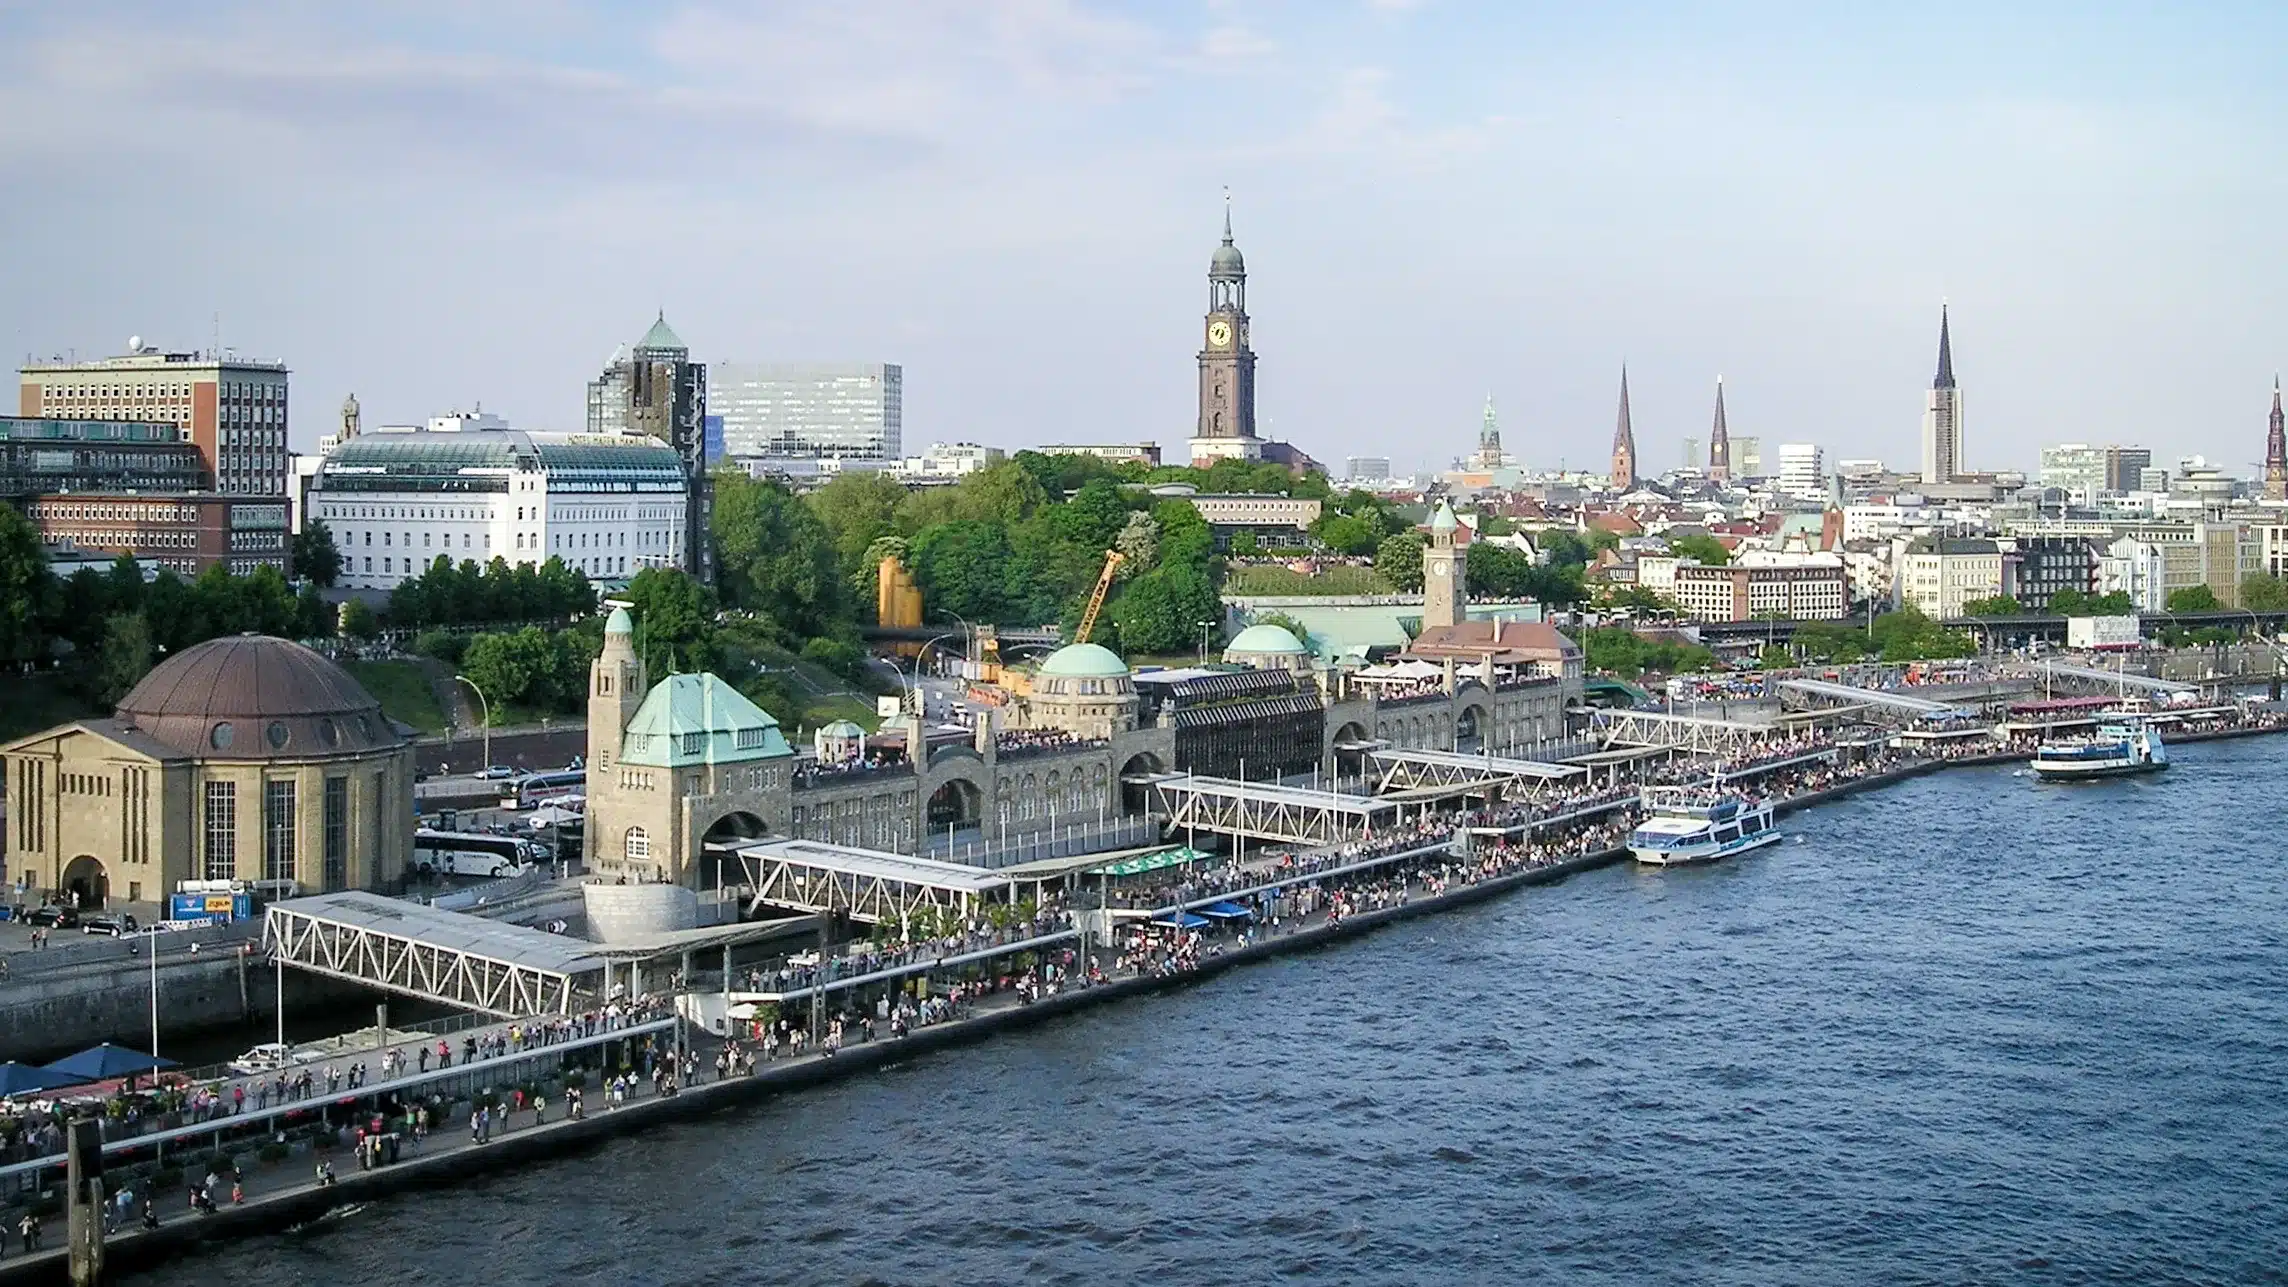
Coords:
2115,679
861,884
1267,811
1884,699
1689,733
419,951
1444,774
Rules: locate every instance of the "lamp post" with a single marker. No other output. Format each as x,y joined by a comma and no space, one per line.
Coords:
1205,626
913,693
485,712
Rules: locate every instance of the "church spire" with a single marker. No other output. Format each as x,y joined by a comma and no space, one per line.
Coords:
1719,441
2276,450
1624,475
1945,378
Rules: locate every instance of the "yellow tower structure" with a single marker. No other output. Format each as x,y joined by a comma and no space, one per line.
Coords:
897,600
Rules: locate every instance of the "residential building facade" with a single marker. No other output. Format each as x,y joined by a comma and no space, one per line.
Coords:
1796,587
1938,576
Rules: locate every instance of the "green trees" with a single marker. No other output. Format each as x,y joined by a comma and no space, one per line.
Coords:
23,584
359,621
124,658
774,555
1398,560
1701,548
675,621
2000,605
2073,603
1498,572
2264,592
538,670
1626,654
1563,548
2194,598
466,594
314,556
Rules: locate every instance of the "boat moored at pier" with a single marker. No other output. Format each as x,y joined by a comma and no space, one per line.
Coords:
1699,824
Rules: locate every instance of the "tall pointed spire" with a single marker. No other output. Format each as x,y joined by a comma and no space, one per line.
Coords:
1719,441
1945,378
1227,216
1489,439
1624,474
2276,450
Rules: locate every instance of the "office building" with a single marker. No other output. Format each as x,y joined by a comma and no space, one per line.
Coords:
232,409
658,391
1803,471
1118,453
2040,566
1942,415
1747,457
2075,468
186,533
1797,587
609,505
2125,469
1692,461
1367,469
792,417
46,454
946,460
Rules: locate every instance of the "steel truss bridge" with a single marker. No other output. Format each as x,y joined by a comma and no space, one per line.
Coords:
1450,773
1691,734
860,884
1264,811
1885,700
417,951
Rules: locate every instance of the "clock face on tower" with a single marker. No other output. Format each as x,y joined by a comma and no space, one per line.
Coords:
1219,334
1440,567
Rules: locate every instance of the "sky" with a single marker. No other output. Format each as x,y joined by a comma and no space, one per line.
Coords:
436,204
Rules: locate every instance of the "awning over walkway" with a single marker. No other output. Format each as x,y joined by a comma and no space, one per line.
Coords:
1182,920
1141,863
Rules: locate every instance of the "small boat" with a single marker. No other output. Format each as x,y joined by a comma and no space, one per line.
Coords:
1697,824
269,1057
2117,749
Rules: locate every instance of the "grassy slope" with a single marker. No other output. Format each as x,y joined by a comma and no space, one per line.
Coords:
403,692
1269,579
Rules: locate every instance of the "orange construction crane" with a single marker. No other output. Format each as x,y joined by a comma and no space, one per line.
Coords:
1096,599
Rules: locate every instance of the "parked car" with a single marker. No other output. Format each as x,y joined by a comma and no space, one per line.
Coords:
53,917
496,771
119,926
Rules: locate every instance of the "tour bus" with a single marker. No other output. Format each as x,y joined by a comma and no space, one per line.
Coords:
534,788
468,853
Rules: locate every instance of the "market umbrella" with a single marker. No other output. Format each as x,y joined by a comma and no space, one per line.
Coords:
104,1062
20,1079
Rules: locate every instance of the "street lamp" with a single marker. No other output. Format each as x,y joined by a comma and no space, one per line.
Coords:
921,704
485,711
1205,626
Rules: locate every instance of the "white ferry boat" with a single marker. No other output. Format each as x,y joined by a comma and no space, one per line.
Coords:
2116,749
1699,824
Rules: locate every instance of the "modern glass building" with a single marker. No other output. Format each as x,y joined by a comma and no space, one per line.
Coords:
791,416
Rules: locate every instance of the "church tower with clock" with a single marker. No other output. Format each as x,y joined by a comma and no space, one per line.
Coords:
1226,425
1444,588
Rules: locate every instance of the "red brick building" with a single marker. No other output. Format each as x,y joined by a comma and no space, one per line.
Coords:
186,533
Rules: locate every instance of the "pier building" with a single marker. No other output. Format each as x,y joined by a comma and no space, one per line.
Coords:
245,758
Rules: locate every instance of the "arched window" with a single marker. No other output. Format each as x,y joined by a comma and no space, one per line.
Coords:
638,845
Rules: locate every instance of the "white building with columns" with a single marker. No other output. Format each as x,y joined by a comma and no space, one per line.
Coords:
470,487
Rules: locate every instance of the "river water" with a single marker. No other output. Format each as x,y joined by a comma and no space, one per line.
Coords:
1967,1029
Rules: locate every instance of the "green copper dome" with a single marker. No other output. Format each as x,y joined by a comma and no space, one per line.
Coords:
1265,638
1084,660
619,623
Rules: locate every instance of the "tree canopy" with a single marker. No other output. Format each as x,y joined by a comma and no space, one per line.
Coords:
2193,598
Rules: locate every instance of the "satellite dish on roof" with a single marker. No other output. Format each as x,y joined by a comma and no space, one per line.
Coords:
135,344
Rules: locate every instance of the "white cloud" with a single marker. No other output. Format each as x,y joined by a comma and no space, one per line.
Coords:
1234,43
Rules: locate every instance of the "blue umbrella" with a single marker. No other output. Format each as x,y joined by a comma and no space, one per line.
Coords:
21,1079
104,1062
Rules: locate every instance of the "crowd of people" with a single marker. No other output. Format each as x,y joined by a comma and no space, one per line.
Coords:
1016,743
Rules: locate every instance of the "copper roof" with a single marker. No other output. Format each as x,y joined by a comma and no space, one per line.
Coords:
256,697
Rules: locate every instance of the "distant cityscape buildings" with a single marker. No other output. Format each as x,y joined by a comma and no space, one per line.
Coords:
803,419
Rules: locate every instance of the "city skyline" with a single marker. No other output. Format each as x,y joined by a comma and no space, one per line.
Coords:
1431,179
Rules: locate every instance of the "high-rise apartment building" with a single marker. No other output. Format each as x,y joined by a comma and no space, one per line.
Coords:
232,409
657,390
1942,415
2076,468
2125,468
1692,462
1803,471
791,417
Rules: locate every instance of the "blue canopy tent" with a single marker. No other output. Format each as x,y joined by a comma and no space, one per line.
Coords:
1227,912
22,1079
1181,920
104,1062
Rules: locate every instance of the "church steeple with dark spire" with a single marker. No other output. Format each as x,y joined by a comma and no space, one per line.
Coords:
1945,378
1226,425
2276,450
1719,442
1489,439
1624,474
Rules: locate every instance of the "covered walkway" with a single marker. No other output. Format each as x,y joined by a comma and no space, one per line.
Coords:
1263,811
420,951
861,884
